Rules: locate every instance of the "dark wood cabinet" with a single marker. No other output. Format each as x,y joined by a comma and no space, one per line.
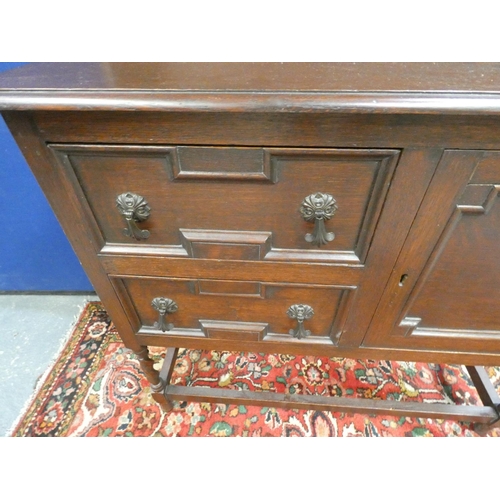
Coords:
313,209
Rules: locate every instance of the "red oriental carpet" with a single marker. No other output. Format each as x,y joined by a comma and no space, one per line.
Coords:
96,388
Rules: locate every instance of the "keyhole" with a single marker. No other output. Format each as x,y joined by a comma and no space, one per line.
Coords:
403,279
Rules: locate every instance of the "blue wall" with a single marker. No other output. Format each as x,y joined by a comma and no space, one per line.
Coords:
35,255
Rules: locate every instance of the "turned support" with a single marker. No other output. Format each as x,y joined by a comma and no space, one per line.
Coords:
158,380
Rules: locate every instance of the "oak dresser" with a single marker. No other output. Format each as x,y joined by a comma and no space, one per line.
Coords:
347,210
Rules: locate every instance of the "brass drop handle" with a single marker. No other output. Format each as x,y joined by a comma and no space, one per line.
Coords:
318,207
164,306
300,312
134,208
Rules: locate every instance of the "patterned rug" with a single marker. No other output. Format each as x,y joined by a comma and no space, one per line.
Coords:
96,388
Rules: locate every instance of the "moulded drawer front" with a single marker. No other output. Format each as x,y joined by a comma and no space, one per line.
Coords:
237,310
234,203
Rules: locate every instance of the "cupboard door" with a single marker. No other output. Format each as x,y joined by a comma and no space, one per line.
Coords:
444,292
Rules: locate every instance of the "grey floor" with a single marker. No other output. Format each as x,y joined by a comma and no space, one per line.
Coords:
33,329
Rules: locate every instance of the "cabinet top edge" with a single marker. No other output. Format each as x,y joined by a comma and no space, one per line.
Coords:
462,88
253,102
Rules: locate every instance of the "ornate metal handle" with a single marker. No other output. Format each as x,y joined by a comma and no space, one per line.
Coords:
300,312
318,207
134,208
164,306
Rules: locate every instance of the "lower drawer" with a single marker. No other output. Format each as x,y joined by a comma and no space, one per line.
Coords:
246,311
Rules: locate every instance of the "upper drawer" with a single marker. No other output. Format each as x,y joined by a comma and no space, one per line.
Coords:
232,202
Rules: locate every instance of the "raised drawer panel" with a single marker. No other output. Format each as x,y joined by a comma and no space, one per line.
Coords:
238,310
192,162
235,203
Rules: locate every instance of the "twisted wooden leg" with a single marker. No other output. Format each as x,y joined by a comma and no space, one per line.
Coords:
158,384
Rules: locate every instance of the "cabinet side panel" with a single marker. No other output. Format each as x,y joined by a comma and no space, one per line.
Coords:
70,214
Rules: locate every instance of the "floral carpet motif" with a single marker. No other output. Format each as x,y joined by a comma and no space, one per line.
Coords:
96,388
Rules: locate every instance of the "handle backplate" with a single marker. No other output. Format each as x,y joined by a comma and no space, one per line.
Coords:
134,208
164,306
318,207
300,312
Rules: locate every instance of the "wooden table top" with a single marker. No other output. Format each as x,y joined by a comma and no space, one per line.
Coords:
279,87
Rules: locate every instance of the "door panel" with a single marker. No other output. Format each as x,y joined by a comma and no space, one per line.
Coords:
444,292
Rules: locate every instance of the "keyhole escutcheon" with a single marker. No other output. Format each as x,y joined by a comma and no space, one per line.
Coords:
402,280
